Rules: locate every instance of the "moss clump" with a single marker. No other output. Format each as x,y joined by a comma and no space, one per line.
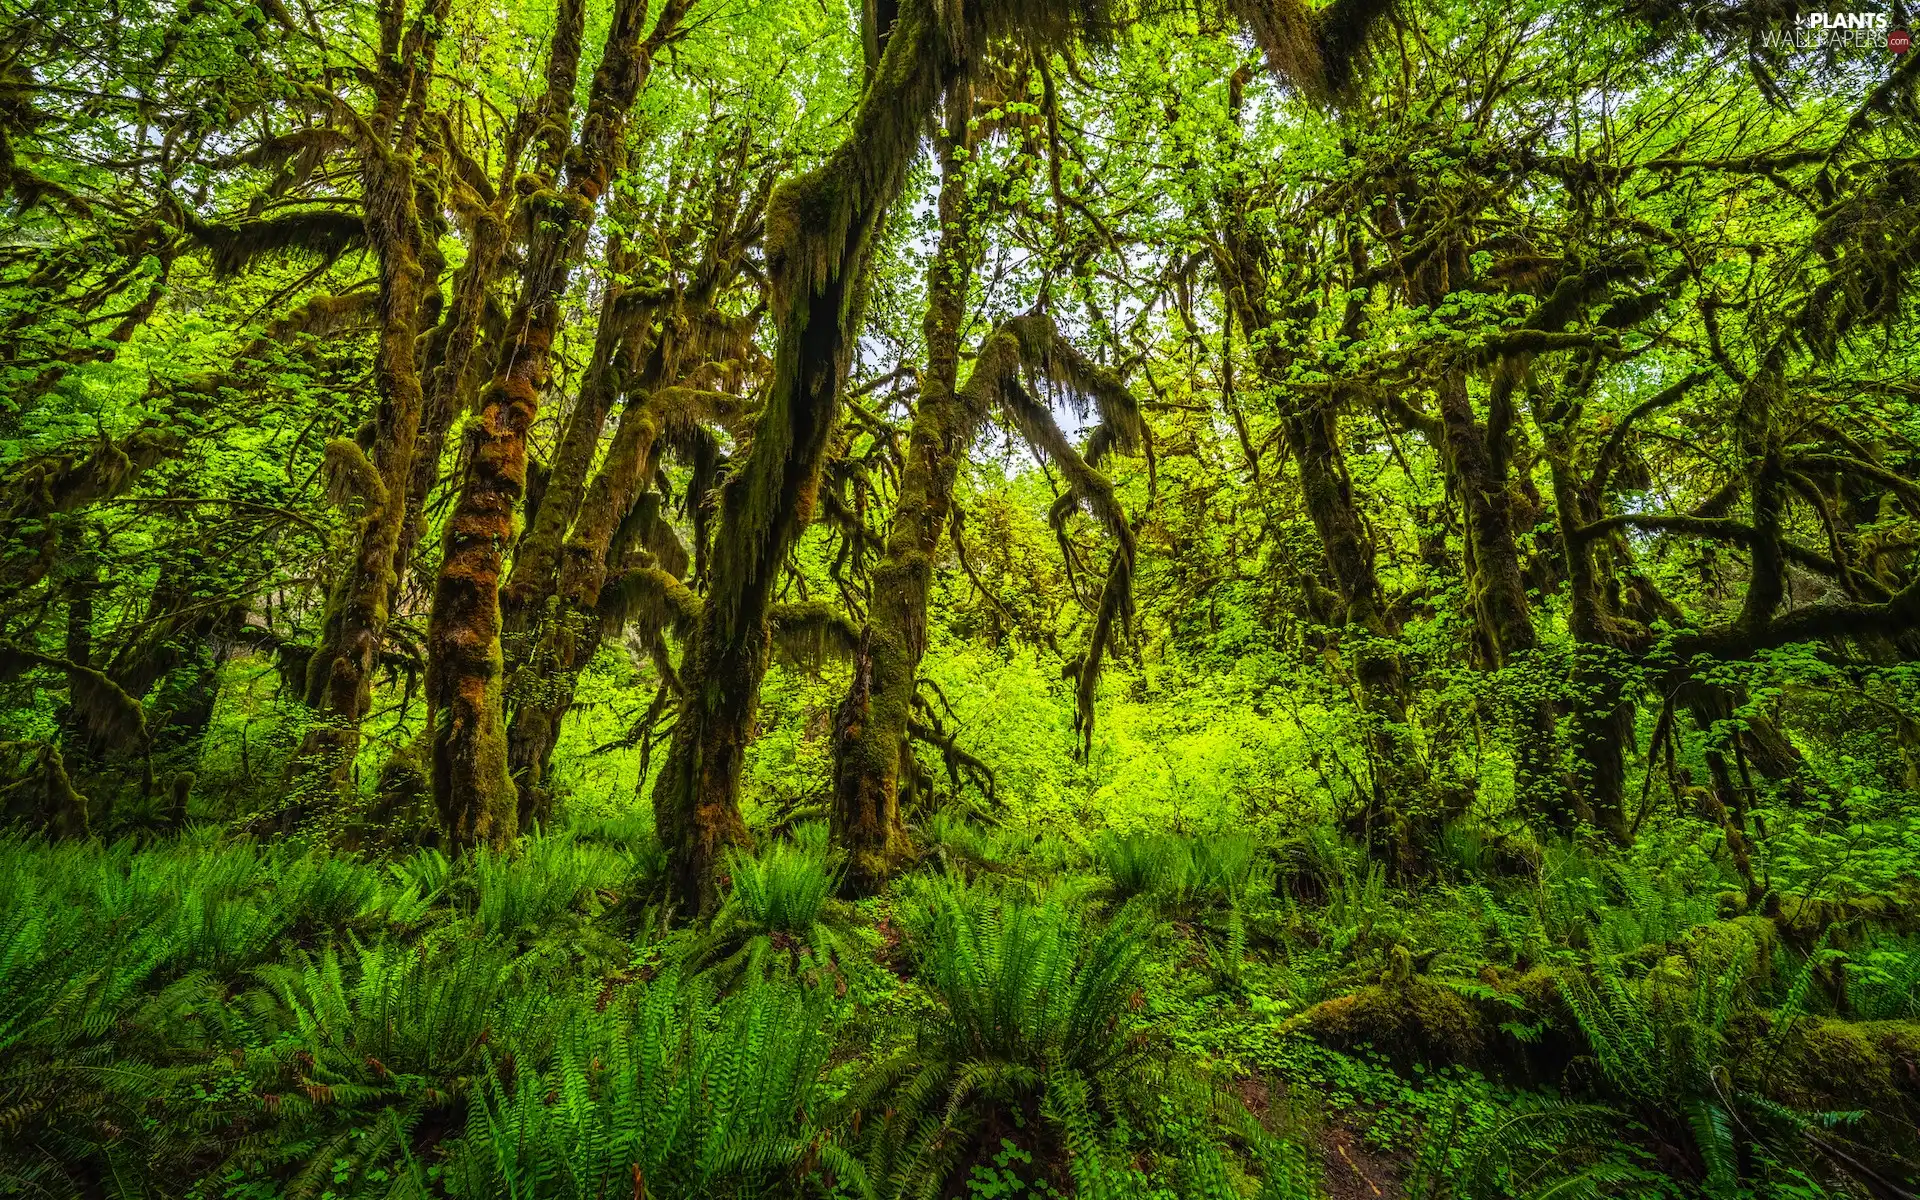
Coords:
1821,1064
1538,989
1750,939
1414,1020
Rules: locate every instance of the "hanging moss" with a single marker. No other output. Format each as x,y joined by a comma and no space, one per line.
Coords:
108,712
323,233
651,598
1319,51
1033,343
811,634
353,484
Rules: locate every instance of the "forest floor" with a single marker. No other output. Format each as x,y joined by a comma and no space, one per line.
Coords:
1027,1012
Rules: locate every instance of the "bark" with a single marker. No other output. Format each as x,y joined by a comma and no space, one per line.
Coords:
871,727
544,636
472,787
340,674
820,232
536,562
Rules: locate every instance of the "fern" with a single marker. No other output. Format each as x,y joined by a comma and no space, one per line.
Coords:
669,1093
1037,1025
1883,978
780,907
1175,870
1660,1043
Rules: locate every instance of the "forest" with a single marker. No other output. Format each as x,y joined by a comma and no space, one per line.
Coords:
959,599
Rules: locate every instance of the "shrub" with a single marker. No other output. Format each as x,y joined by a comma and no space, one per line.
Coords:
1037,1028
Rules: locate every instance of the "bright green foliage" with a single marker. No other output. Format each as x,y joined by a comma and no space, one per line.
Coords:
663,1091
1173,870
1883,978
1411,644
522,894
781,904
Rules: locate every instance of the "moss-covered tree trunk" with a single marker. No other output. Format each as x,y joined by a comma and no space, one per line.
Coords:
564,623
471,782
870,729
1396,814
1603,717
339,683
820,232
547,639
453,349
536,561
1474,455
1497,585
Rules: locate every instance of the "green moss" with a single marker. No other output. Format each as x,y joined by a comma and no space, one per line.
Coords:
1825,1065
1414,1020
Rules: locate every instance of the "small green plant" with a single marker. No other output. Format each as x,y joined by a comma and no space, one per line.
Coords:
1009,1177
1883,978
781,902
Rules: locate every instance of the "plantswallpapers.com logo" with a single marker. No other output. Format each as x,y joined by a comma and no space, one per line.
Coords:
1842,20
1849,30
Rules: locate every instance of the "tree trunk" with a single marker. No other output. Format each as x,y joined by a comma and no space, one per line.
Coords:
472,786
1400,782
1475,461
565,624
340,674
536,562
820,232
548,640
451,351
1603,708
870,730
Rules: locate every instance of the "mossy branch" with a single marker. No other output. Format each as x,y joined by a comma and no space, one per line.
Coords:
651,599
324,233
352,480
108,712
1032,342
810,634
